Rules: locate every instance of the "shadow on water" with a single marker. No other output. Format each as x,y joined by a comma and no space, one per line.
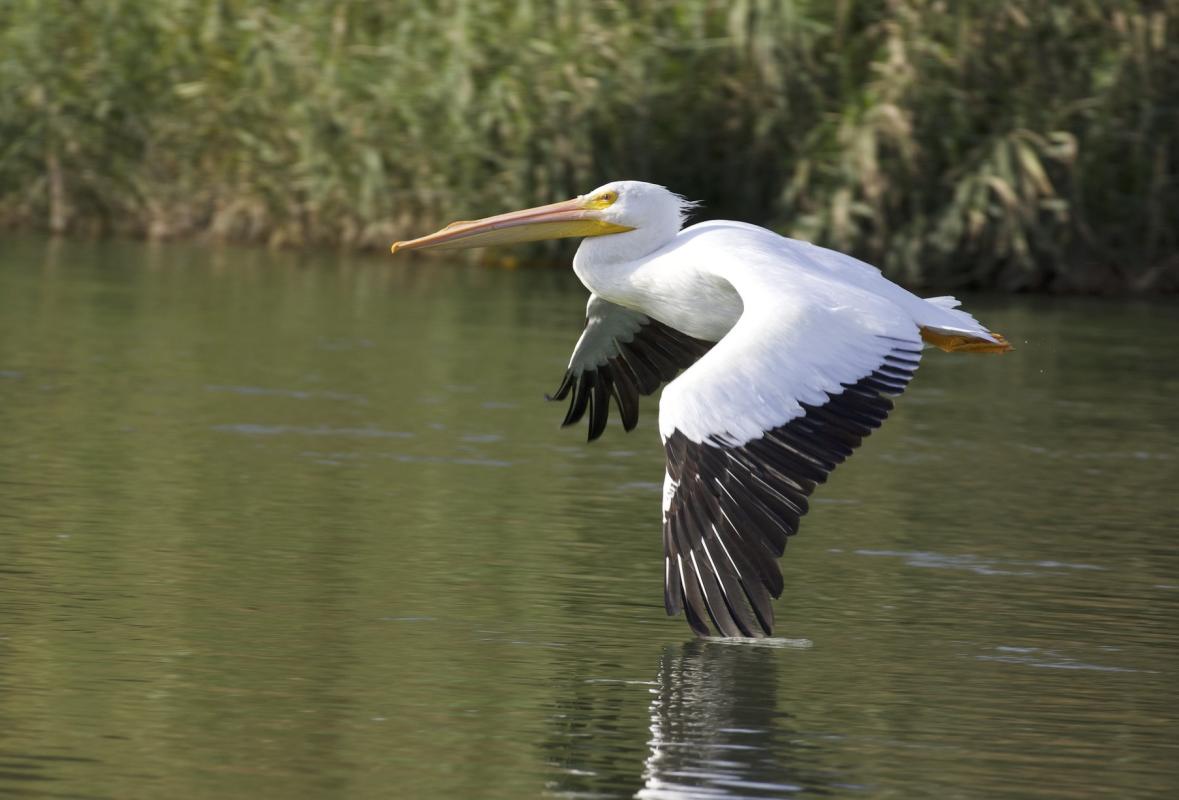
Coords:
713,725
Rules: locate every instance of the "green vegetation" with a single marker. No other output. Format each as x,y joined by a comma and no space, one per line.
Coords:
1022,145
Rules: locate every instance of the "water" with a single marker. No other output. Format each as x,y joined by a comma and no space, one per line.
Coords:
300,526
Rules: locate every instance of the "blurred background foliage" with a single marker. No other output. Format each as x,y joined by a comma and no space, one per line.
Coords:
1022,145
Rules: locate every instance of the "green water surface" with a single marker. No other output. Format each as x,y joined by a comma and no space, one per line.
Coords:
290,526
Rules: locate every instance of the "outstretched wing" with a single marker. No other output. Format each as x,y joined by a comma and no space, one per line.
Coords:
621,354
756,424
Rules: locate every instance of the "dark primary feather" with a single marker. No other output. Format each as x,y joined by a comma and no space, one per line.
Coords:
734,508
641,364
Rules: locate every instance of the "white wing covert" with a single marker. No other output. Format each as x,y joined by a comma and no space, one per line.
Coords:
758,422
621,354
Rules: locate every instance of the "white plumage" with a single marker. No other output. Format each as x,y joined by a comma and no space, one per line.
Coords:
789,353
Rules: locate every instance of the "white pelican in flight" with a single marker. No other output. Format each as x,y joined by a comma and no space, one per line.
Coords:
789,353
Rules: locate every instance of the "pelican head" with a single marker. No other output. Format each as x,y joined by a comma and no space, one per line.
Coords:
643,210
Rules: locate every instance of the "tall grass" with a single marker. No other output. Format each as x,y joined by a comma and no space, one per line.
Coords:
1025,144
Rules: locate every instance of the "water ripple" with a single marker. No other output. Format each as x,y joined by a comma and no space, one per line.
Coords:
295,394
1046,659
254,429
972,563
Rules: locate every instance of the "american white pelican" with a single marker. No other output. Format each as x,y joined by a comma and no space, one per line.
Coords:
790,353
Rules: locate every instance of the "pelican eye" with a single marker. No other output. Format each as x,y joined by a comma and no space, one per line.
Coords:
604,199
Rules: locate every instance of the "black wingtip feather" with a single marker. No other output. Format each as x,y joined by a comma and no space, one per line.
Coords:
562,390
639,366
626,396
580,401
754,495
599,407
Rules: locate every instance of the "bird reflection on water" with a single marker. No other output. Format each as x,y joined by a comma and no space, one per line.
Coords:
709,725
717,731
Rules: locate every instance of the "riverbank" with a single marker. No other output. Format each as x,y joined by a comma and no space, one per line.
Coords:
999,146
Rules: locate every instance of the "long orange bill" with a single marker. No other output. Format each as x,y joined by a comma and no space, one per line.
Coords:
562,220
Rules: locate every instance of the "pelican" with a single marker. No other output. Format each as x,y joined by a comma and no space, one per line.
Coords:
789,354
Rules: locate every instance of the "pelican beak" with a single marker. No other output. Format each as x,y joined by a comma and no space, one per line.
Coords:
577,217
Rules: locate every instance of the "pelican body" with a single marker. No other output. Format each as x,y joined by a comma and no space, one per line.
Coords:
789,355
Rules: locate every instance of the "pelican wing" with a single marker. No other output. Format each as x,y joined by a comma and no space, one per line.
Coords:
757,423
621,354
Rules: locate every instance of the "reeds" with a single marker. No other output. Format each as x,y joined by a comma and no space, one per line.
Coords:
1020,145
